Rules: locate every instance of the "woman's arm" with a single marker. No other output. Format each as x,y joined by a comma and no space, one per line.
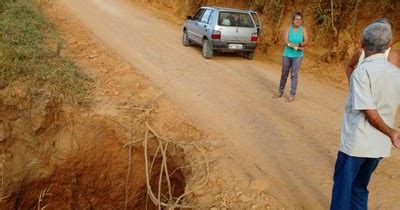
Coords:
286,36
352,63
394,57
286,39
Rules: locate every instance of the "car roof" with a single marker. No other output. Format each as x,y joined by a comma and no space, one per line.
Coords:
227,9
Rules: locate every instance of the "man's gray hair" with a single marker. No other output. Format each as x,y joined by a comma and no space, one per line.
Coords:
376,37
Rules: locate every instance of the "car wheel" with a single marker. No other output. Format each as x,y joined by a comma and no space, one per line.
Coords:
249,55
207,51
185,39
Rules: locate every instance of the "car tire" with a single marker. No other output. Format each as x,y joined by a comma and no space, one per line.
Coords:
249,55
207,51
185,39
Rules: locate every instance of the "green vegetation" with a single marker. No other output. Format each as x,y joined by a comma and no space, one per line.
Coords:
30,52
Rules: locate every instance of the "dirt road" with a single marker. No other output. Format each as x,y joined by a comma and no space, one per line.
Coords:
292,145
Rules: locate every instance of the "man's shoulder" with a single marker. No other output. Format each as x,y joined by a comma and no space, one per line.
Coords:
376,66
380,72
392,71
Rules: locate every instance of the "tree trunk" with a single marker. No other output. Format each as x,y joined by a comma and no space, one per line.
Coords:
353,24
278,25
333,24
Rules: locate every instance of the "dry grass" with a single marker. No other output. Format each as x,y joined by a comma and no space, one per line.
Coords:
30,52
43,194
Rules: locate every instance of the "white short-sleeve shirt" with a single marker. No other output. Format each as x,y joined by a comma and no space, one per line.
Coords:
374,84
362,56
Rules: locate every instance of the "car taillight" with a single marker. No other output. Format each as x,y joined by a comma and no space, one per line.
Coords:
254,37
216,35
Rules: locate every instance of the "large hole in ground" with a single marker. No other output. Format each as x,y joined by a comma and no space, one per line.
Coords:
86,170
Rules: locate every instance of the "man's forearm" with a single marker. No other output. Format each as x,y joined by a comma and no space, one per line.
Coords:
376,120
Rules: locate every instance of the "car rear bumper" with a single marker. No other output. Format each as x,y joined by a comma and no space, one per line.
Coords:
224,46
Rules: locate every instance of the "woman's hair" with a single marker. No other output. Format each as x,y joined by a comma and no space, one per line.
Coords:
297,14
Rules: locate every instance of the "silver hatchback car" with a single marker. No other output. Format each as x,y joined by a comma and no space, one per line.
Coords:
222,29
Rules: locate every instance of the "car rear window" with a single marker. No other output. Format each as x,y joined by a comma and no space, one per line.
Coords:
236,19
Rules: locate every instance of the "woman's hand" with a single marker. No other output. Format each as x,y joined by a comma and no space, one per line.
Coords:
294,46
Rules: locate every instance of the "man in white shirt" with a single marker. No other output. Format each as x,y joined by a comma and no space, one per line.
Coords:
368,121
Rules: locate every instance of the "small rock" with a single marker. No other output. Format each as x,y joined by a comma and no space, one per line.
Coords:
238,193
122,103
126,107
219,181
92,56
244,198
259,185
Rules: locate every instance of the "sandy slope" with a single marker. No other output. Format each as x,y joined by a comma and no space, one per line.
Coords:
293,145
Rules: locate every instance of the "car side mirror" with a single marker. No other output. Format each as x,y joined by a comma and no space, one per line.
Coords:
189,17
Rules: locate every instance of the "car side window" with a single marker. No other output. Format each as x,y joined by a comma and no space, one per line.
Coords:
206,16
198,15
212,17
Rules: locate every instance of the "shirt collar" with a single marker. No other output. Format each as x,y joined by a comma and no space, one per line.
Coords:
375,57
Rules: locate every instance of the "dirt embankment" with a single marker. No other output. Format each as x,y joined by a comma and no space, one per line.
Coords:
58,156
328,51
349,18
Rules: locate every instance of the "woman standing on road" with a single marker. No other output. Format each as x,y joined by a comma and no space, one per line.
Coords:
296,39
